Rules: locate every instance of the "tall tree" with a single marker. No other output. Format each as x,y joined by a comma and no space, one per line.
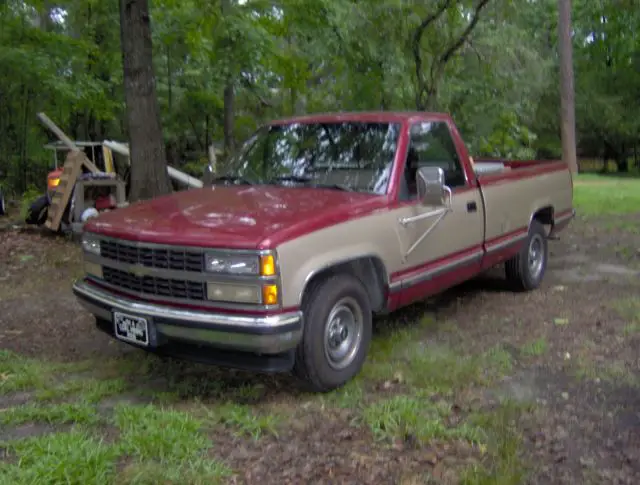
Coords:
148,158
568,120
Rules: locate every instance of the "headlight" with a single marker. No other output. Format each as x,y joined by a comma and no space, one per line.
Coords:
234,293
91,244
240,264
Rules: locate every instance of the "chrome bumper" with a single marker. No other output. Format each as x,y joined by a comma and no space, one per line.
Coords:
270,334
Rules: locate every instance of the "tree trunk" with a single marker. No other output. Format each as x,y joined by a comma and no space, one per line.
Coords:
229,115
229,93
148,158
568,117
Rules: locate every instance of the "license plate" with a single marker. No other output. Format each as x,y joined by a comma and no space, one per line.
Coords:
131,329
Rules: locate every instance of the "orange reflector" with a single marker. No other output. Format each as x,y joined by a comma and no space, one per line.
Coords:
54,183
269,295
267,265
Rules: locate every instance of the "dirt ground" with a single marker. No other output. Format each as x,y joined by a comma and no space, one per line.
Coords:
575,345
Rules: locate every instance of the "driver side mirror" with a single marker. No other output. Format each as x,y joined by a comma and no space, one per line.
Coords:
207,176
432,190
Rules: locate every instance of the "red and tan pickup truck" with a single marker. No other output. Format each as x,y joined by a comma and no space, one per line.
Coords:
317,225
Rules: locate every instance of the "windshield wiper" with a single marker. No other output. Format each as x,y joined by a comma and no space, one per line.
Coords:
292,178
232,179
309,182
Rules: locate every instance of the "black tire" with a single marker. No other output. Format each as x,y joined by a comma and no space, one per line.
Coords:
315,363
3,207
38,211
525,271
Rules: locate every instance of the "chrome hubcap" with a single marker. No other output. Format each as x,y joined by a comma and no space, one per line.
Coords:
343,333
536,256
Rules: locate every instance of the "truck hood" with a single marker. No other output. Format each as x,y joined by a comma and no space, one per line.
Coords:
249,217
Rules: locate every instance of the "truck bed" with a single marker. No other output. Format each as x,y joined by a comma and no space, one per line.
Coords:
492,167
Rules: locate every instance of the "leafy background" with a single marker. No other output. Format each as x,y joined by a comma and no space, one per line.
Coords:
287,57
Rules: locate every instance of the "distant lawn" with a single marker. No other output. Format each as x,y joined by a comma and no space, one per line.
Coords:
606,194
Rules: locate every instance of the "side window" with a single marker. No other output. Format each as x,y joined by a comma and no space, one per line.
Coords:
431,145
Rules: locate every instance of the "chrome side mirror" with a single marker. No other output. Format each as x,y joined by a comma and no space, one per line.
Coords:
432,190
207,177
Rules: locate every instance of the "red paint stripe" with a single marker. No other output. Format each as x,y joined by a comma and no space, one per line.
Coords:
450,258
187,306
505,237
435,264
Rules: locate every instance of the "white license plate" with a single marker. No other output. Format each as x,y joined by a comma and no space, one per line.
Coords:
131,329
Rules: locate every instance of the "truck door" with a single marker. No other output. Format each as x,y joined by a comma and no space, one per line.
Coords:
439,248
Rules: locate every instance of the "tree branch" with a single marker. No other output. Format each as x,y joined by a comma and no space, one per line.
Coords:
417,55
252,89
437,67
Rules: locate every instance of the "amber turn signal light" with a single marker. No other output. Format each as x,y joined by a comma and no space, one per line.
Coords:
269,295
267,265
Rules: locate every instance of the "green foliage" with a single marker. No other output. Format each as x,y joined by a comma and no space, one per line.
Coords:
299,56
29,196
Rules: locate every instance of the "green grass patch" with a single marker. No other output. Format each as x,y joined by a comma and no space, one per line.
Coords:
89,389
502,464
19,374
350,396
242,420
77,413
437,368
73,458
198,471
601,195
615,372
535,348
152,433
407,418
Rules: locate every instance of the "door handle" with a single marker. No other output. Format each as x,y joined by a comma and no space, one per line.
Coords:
472,206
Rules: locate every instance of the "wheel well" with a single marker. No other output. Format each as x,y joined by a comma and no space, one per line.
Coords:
545,217
369,270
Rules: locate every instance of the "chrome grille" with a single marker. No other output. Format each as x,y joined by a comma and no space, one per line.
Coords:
176,259
152,285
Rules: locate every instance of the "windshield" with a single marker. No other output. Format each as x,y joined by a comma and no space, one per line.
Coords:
350,155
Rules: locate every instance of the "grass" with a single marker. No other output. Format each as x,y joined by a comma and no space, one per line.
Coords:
243,420
78,413
502,464
534,348
413,418
173,443
152,433
597,195
77,457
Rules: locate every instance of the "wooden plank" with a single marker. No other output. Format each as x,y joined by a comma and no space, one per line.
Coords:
61,195
58,132
66,140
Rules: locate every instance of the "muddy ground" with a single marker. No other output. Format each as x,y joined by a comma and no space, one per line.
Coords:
575,345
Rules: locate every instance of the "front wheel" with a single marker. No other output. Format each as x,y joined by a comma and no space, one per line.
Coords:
337,332
526,269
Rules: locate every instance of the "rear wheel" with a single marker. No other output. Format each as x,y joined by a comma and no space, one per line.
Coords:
337,332
525,271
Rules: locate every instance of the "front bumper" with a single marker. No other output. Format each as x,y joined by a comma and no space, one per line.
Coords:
264,334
